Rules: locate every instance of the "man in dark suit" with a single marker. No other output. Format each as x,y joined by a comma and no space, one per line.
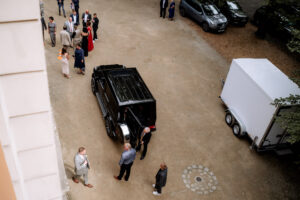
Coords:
144,139
160,179
163,6
75,17
86,17
95,26
76,5
61,5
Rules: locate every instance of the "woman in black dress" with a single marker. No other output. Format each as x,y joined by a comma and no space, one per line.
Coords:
84,41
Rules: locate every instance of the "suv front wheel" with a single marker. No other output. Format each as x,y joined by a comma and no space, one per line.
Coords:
205,27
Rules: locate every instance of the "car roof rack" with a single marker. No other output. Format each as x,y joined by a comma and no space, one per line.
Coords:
128,85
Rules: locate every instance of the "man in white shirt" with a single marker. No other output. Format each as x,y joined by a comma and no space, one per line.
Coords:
75,18
86,17
70,27
82,165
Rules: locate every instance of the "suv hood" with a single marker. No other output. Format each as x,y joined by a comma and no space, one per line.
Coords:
238,13
220,18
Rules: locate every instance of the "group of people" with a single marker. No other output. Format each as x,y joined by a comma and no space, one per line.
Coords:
71,36
82,164
163,8
83,42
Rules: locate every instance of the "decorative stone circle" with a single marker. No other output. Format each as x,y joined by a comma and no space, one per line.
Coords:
199,179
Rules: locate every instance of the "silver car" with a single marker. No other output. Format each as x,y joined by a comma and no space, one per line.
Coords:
204,12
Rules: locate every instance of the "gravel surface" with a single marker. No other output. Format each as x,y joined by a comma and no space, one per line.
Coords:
241,42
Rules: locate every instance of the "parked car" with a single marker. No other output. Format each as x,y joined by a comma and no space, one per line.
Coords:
205,13
233,11
278,20
250,88
126,103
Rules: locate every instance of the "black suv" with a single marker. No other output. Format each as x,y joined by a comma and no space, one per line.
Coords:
233,11
279,20
126,103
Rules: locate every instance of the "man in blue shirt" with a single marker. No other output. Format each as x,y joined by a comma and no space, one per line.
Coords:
126,162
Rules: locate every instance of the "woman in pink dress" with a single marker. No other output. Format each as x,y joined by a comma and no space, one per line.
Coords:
90,38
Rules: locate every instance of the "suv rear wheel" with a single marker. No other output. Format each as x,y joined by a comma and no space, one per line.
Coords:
109,128
93,85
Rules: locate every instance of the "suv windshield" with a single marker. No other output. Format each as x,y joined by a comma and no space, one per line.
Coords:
233,5
210,10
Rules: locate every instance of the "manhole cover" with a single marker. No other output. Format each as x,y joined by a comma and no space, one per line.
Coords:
199,179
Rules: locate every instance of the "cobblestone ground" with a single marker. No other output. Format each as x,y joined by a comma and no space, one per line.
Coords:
183,72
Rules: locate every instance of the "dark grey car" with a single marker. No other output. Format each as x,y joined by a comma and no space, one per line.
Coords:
204,12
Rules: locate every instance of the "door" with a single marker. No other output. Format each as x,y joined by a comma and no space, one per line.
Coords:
198,13
276,135
189,8
134,125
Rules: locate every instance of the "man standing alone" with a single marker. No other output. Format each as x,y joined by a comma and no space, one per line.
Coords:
52,30
126,162
161,179
82,165
163,6
95,26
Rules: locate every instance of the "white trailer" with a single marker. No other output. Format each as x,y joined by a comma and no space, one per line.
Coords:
249,90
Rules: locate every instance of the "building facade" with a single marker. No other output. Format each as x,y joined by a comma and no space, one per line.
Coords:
28,139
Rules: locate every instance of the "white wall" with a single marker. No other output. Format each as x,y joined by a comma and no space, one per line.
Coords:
27,134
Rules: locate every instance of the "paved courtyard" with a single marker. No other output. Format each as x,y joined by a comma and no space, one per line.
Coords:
183,73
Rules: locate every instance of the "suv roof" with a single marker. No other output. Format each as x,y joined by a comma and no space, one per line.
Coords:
128,86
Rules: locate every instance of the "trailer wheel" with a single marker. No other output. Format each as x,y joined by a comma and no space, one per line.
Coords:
229,119
236,129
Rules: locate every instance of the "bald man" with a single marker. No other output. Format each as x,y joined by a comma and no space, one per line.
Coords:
144,140
86,17
126,161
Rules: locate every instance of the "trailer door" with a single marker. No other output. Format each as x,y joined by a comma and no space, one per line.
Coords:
276,135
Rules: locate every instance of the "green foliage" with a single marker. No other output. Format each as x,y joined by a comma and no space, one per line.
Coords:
290,120
294,44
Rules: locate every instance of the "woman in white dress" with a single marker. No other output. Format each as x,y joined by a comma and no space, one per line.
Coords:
65,63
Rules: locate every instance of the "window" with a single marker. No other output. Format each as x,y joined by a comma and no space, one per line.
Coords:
190,2
210,10
232,5
198,7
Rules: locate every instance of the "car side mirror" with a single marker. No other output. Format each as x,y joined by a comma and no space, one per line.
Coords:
201,13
